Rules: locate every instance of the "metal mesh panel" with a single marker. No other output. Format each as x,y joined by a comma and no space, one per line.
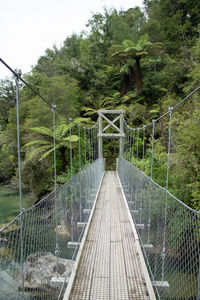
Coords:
34,246
174,272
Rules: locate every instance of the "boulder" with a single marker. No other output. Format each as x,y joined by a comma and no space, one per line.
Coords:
8,288
39,269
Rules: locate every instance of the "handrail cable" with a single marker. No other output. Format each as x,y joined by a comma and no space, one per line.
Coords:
37,93
167,112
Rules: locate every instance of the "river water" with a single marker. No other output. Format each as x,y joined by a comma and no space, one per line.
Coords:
9,203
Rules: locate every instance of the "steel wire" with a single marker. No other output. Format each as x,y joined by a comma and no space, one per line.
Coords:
182,234
39,239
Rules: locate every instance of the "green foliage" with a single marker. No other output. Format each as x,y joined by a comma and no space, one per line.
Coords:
128,52
131,60
7,101
91,110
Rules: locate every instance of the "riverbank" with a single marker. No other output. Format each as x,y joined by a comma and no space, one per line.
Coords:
9,202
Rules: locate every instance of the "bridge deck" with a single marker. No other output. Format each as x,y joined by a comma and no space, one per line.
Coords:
111,267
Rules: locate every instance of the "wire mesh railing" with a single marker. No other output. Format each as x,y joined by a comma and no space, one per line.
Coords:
161,219
35,258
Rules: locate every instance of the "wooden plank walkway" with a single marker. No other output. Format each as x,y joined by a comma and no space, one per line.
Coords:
111,266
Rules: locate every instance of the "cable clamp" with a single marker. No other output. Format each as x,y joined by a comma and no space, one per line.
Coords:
53,107
163,254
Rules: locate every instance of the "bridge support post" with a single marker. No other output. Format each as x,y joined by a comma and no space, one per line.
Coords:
111,124
198,297
100,138
121,147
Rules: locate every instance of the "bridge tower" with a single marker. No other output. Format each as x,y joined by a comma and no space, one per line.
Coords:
119,130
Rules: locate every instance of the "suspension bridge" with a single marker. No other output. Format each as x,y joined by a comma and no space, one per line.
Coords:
103,235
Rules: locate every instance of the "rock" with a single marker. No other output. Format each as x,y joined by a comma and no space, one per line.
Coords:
10,228
2,240
47,216
5,253
8,288
39,269
62,229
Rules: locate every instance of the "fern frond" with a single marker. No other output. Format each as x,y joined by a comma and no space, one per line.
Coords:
36,152
46,154
74,138
61,130
35,143
43,131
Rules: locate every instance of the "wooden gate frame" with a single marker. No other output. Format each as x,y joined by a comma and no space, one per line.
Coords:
102,130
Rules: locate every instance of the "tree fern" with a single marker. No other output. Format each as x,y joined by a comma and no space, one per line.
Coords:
36,152
43,130
35,143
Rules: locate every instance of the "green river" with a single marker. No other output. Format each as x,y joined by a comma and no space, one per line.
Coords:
9,203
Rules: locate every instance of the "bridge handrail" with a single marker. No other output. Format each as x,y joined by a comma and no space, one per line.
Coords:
49,232
162,188
169,233
166,113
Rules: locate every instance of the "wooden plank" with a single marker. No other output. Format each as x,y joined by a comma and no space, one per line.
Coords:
111,135
161,284
147,246
134,211
135,279
118,282
84,276
73,245
142,271
140,226
81,252
111,123
81,224
87,210
115,120
114,111
101,281
110,267
100,288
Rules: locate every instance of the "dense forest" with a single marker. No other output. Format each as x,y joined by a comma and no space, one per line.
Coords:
140,60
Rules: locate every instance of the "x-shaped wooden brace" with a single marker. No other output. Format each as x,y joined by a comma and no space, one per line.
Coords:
111,123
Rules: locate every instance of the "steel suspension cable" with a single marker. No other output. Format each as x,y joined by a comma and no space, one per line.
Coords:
33,90
167,112
138,130
17,75
92,135
130,143
71,185
151,186
166,198
89,144
80,168
55,188
85,146
127,144
143,148
132,154
79,146
152,148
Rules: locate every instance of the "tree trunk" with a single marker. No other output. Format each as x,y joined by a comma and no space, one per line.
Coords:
63,158
125,84
138,77
127,81
131,77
